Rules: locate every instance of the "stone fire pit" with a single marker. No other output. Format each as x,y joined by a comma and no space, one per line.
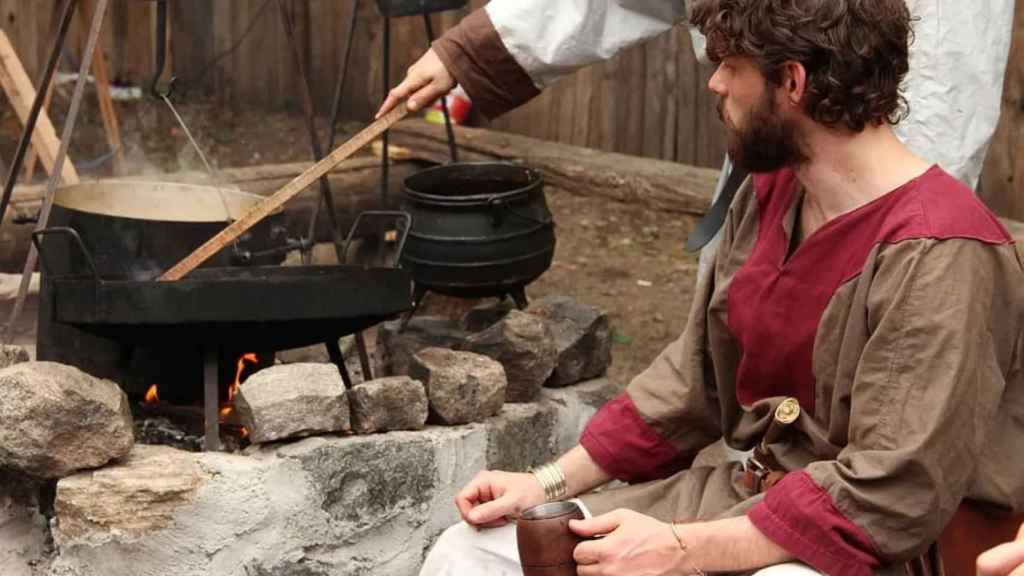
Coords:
338,480
326,505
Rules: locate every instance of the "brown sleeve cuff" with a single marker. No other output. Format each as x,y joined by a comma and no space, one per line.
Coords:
476,56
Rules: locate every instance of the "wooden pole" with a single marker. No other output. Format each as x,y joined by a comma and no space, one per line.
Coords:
289,191
21,93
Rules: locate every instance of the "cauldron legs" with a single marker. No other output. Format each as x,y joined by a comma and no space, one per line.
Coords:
334,351
519,297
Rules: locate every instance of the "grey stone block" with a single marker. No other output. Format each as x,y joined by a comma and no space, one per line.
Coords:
397,347
522,343
582,336
58,419
523,435
386,404
293,400
462,387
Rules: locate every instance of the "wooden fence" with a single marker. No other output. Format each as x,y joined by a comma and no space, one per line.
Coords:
650,100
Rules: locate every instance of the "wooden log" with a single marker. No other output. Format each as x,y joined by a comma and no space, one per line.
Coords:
661,185
21,93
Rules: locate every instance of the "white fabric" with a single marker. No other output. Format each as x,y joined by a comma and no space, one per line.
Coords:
551,39
958,60
955,85
463,550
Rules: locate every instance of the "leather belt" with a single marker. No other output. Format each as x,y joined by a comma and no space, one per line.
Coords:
758,477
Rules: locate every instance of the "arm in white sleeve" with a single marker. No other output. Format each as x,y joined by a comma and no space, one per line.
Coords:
551,39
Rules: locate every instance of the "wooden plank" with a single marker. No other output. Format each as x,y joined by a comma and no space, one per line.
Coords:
21,93
289,191
32,157
687,112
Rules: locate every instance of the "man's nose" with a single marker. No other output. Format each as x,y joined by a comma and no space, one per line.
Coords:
717,82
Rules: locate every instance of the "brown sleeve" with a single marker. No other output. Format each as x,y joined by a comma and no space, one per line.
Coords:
476,56
929,386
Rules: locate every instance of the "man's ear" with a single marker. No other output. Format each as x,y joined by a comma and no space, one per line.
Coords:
794,82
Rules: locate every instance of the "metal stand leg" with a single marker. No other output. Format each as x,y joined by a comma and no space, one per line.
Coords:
334,351
452,149
339,91
364,357
419,293
211,397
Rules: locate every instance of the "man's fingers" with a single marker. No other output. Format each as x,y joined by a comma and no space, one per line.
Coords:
603,524
490,511
589,552
411,84
1001,560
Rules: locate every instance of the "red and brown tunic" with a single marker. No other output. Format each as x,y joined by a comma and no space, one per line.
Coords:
898,326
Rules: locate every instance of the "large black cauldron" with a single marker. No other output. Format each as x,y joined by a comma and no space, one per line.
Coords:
478,230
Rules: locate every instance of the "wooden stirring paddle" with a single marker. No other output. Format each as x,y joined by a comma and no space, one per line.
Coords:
286,193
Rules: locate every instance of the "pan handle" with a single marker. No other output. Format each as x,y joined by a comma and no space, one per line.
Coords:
403,231
77,240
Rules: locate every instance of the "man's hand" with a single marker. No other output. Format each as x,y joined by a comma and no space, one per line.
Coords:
1004,560
633,545
492,496
425,81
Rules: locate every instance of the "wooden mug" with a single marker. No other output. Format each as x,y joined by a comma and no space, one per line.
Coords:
545,541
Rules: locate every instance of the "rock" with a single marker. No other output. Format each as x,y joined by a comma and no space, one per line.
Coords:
23,532
11,355
483,317
133,498
293,400
522,436
462,387
524,346
386,404
315,354
58,419
397,348
582,337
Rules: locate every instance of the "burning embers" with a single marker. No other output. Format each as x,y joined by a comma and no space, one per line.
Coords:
152,396
182,426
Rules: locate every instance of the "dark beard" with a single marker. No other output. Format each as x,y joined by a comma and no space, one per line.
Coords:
767,143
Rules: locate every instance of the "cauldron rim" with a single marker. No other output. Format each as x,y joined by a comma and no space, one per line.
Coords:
534,181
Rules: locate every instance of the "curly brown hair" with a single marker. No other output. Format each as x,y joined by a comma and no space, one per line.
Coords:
856,52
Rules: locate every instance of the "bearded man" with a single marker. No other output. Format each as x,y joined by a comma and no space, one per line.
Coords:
860,330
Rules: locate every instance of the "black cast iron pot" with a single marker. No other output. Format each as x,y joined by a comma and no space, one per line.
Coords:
478,230
139,229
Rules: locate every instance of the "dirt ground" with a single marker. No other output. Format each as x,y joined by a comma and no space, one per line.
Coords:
625,259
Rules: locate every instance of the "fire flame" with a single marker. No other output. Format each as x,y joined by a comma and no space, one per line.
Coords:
229,406
152,396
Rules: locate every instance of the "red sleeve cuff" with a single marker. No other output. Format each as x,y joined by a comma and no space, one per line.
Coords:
626,447
800,516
